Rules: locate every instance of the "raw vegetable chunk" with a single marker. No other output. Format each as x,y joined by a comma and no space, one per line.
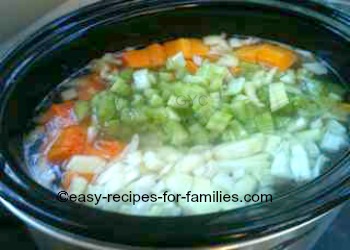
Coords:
157,55
180,45
105,149
137,58
276,56
70,141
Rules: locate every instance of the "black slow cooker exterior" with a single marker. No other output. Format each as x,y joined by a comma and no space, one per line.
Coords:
64,46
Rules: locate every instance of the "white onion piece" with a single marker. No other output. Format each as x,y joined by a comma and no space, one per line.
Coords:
200,186
223,181
179,183
281,163
245,185
240,149
316,68
320,163
299,164
189,162
69,94
228,61
238,42
152,161
86,164
197,60
78,185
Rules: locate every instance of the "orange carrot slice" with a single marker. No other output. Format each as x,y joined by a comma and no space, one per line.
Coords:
199,48
137,59
70,141
157,55
63,111
180,45
105,149
276,56
248,53
191,66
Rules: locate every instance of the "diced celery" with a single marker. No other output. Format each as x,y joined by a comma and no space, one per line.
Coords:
172,114
228,135
166,77
126,74
281,122
104,106
156,101
235,86
264,122
278,96
238,129
176,133
132,116
250,91
82,109
239,110
213,74
199,135
143,79
249,69
120,87
179,101
219,121
121,103
203,112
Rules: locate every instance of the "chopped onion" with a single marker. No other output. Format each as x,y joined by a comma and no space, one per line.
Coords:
69,94
316,68
300,163
238,42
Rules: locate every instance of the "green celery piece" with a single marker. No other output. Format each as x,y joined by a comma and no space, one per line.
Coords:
176,134
263,94
126,74
179,101
192,90
166,77
239,110
82,109
248,70
117,130
219,121
137,100
199,135
203,112
264,122
278,96
246,112
104,106
228,135
121,87
156,115
213,74
237,128
121,104
156,101
172,114
281,122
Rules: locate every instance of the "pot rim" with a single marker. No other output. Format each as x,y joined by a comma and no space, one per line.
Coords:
309,201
